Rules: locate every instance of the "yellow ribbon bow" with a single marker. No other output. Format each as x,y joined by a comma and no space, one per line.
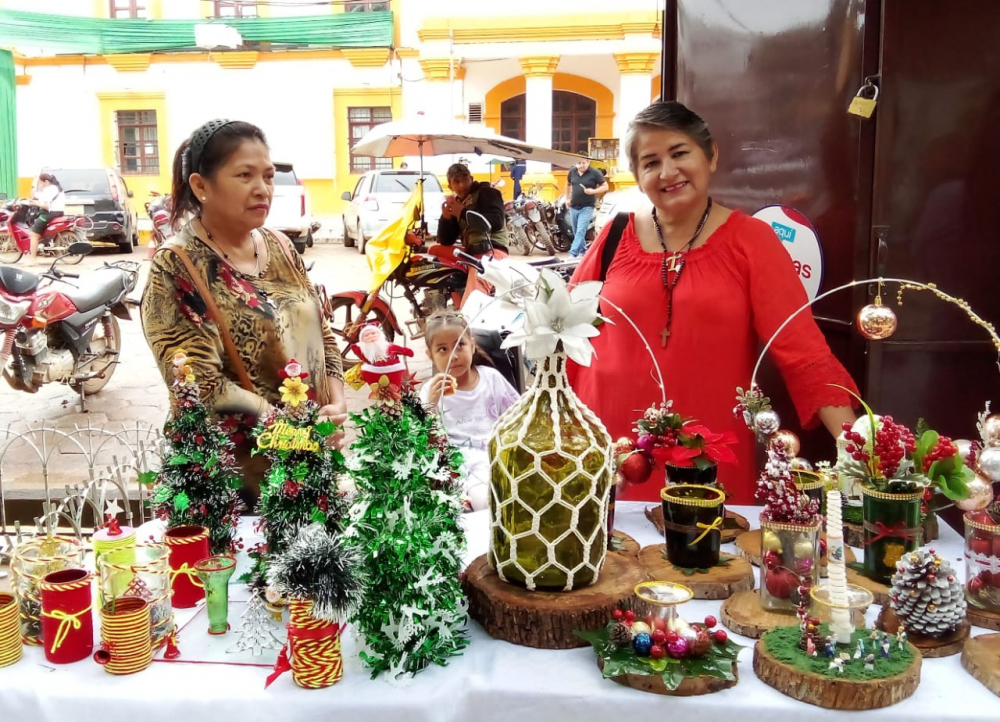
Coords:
714,526
191,574
66,621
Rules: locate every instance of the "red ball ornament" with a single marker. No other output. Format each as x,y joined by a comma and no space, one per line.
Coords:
636,468
780,583
710,621
720,636
629,617
624,445
659,636
772,560
975,585
672,636
657,651
618,615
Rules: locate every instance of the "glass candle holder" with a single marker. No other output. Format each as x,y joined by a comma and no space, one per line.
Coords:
144,572
892,528
982,561
693,517
215,573
691,475
657,602
790,555
812,484
30,562
844,615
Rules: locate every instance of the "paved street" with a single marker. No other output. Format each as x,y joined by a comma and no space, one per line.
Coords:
136,393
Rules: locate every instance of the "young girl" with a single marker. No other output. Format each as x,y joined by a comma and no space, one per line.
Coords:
474,396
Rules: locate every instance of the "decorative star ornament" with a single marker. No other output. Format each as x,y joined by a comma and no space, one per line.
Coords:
112,508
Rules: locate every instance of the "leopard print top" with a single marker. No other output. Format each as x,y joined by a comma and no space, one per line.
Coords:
272,319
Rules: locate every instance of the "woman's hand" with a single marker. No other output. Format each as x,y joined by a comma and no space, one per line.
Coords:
439,385
335,413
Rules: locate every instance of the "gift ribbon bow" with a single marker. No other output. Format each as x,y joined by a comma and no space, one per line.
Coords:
187,571
67,621
708,528
899,530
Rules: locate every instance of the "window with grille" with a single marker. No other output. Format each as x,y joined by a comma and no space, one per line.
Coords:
574,121
512,117
365,6
127,9
137,146
359,122
475,112
235,9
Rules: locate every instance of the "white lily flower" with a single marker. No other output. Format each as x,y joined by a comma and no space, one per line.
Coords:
559,315
511,283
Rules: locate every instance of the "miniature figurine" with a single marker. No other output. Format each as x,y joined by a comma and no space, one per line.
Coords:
810,646
830,649
901,638
886,645
870,662
837,664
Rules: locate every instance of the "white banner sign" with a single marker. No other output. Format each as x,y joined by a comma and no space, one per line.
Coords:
800,240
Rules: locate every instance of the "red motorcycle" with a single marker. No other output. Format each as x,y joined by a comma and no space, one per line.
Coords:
55,330
59,234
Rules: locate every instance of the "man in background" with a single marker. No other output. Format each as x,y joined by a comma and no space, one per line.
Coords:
584,185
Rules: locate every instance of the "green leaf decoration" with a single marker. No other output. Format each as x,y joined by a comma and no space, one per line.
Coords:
951,476
317,515
325,428
162,494
147,477
181,502
178,459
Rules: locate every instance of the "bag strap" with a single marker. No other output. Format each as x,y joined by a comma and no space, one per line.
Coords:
213,309
611,243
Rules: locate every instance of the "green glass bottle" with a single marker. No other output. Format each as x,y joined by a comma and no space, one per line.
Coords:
551,474
215,573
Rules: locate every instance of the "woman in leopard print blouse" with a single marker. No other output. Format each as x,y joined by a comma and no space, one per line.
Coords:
223,177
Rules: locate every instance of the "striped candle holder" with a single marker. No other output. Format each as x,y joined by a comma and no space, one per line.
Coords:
147,568
188,545
126,647
314,647
67,619
10,630
32,560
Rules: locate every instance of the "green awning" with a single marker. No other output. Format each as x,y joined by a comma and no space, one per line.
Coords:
103,36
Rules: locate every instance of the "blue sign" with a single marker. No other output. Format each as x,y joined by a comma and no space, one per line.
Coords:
784,233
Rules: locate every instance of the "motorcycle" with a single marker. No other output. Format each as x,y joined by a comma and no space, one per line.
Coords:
158,210
58,331
535,229
428,282
58,236
564,238
517,224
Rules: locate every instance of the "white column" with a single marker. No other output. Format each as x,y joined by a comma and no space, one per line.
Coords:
634,94
538,72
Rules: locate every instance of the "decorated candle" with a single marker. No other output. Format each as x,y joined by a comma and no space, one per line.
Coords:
841,626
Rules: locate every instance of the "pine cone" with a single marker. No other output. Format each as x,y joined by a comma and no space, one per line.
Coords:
926,595
620,635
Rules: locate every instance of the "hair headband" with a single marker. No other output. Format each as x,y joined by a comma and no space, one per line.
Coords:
200,139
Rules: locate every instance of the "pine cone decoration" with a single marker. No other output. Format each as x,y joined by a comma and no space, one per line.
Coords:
926,595
620,635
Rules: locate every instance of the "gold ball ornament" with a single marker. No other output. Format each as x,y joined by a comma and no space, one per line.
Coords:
980,494
989,463
964,446
991,429
771,542
803,549
789,439
641,627
876,322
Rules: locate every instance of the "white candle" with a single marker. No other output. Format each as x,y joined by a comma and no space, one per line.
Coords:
841,626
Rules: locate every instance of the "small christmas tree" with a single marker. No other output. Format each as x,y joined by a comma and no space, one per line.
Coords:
783,502
406,523
926,595
258,630
301,486
198,480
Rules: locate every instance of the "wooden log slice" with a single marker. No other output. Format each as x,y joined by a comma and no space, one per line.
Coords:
624,544
879,590
830,692
981,659
718,582
748,547
743,614
547,619
690,687
732,527
930,647
982,618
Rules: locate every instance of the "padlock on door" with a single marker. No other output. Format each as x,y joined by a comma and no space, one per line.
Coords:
863,106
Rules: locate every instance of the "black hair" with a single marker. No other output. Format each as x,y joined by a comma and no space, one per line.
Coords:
217,149
441,320
51,179
668,115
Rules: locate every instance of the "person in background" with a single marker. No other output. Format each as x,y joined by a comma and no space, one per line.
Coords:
706,286
583,185
223,177
51,201
471,195
474,396
517,171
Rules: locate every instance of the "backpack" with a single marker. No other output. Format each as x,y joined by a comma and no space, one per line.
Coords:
611,243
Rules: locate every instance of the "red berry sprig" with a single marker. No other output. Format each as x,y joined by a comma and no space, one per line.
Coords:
944,449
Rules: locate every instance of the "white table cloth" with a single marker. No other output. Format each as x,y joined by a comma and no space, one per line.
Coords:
492,680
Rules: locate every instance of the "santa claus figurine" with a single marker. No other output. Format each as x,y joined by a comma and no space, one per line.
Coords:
379,357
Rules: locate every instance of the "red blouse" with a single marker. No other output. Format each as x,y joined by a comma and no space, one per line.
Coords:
733,293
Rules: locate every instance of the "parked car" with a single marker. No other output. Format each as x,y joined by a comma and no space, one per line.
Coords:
102,195
629,200
377,199
288,208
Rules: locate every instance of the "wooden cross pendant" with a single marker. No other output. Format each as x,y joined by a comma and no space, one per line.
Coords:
664,335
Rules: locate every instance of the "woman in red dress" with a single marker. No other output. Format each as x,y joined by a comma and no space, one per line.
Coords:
706,286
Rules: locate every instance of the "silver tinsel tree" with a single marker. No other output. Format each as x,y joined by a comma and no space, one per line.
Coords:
926,595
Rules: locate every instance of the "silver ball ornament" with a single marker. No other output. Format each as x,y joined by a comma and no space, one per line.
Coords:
991,429
980,494
800,464
766,423
989,462
964,446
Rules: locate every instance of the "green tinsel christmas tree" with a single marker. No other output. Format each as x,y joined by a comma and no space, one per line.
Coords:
406,524
300,487
198,480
